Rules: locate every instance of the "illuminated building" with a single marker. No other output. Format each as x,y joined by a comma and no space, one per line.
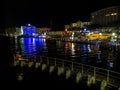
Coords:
107,16
29,30
42,30
76,26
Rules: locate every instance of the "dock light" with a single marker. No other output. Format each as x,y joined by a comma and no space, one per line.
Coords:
113,34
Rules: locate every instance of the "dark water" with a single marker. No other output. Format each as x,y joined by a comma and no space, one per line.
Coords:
31,78
91,54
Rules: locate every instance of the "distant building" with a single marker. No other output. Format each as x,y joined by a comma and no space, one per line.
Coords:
84,24
43,29
29,30
106,17
10,30
76,26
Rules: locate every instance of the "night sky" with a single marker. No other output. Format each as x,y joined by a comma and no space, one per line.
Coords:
41,12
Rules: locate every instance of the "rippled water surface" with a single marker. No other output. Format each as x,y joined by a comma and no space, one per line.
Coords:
90,54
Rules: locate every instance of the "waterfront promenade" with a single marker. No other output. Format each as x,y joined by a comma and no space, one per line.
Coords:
75,72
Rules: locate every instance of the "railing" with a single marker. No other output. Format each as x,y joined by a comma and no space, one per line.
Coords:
111,77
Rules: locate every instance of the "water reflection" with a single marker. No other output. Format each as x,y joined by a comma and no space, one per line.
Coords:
66,49
31,45
20,76
73,49
89,48
58,49
110,63
85,53
110,60
99,56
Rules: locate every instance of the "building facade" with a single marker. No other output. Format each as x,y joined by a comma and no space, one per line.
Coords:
29,30
76,26
106,17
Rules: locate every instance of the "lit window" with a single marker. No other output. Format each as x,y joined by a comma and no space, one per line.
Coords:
113,14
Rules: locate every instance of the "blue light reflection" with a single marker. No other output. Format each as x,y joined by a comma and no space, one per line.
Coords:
32,45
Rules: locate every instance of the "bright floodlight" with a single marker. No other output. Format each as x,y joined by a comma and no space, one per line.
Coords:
29,24
113,34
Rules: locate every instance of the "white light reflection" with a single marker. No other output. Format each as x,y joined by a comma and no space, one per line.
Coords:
44,40
110,60
33,41
99,56
110,63
73,49
89,48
